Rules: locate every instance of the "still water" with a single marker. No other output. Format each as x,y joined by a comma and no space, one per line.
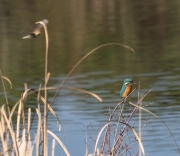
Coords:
151,28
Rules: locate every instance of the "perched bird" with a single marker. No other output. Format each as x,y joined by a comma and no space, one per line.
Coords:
37,31
126,88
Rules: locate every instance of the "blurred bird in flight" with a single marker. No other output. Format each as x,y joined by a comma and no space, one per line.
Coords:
37,30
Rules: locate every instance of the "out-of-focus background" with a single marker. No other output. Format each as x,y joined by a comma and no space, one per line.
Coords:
151,28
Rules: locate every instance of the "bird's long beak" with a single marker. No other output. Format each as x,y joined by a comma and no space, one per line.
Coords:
134,82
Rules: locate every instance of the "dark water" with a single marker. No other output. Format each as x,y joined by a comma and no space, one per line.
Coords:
75,27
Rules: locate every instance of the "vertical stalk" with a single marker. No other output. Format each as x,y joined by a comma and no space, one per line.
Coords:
140,119
45,142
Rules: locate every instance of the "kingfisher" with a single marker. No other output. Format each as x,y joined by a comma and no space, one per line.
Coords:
37,30
126,88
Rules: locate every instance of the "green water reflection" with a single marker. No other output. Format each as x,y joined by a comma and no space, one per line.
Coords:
151,28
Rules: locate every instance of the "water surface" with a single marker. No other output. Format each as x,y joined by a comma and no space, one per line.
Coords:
75,27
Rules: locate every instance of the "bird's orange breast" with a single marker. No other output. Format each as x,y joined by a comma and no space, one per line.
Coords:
127,91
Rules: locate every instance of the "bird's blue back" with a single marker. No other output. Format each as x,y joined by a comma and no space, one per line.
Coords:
124,87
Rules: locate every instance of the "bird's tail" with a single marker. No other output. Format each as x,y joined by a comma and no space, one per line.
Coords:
25,37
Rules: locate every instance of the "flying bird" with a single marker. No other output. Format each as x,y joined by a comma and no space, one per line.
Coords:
37,30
